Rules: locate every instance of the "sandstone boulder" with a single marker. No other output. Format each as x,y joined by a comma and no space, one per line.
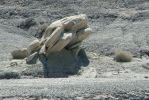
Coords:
19,54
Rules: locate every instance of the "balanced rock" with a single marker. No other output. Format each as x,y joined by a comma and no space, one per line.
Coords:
59,46
65,30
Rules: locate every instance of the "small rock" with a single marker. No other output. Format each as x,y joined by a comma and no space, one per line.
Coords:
13,98
126,72
27,23
146,66
146,98
97,97
145,76
19,54
115,73
32,59
101,97
9,75
13,64
79,98
44,99
33,98
147,94
92,55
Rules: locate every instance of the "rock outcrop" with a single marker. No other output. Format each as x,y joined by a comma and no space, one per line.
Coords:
64,35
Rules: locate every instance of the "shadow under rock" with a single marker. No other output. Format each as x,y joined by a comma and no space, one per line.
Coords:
63,64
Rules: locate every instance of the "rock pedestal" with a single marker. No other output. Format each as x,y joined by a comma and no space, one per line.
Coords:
63,63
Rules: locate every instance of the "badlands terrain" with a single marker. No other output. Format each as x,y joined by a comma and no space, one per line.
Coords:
117,24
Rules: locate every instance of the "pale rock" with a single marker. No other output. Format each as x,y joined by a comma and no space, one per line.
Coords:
19,54
34,46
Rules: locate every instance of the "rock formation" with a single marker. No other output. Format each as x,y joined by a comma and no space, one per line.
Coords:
64,35
67,33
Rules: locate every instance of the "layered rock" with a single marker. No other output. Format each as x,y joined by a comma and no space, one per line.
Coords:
61,39
66,33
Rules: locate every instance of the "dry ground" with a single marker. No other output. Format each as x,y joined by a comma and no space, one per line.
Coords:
117,24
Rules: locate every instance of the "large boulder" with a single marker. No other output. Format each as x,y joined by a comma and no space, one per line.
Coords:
63,63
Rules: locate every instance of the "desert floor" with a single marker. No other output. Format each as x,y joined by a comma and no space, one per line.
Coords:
117,24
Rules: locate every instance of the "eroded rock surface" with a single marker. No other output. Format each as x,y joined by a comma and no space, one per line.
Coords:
59,46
